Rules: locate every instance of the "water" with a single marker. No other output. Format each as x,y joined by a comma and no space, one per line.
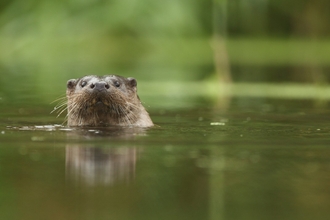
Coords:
255,158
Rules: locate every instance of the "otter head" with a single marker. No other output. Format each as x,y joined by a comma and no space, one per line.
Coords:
104,100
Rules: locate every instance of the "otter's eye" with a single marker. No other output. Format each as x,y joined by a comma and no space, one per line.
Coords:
83,83
117,84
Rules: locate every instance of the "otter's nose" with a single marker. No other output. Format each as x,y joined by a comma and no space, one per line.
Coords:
100,86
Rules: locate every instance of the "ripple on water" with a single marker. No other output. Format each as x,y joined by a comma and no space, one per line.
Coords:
40,128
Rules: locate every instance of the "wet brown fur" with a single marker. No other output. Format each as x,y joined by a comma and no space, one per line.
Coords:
112,106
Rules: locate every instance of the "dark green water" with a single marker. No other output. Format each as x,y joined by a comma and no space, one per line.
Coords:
255,158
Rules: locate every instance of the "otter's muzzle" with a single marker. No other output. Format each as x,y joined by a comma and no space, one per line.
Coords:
100,86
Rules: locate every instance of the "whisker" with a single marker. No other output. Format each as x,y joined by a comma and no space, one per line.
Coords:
61,112
58,99
58,108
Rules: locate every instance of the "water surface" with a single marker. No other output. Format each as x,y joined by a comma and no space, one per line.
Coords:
252,158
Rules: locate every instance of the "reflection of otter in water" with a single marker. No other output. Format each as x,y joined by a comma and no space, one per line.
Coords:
90,163
100,166
105,100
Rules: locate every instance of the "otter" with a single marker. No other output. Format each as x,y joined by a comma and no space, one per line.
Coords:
99,101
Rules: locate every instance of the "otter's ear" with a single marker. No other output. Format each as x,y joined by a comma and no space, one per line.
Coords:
71,84
132,81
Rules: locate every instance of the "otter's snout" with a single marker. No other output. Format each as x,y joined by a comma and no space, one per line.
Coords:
99,86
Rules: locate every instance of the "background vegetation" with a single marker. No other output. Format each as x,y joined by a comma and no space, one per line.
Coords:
45,43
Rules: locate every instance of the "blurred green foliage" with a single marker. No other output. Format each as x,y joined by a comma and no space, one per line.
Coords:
73,38
45,43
